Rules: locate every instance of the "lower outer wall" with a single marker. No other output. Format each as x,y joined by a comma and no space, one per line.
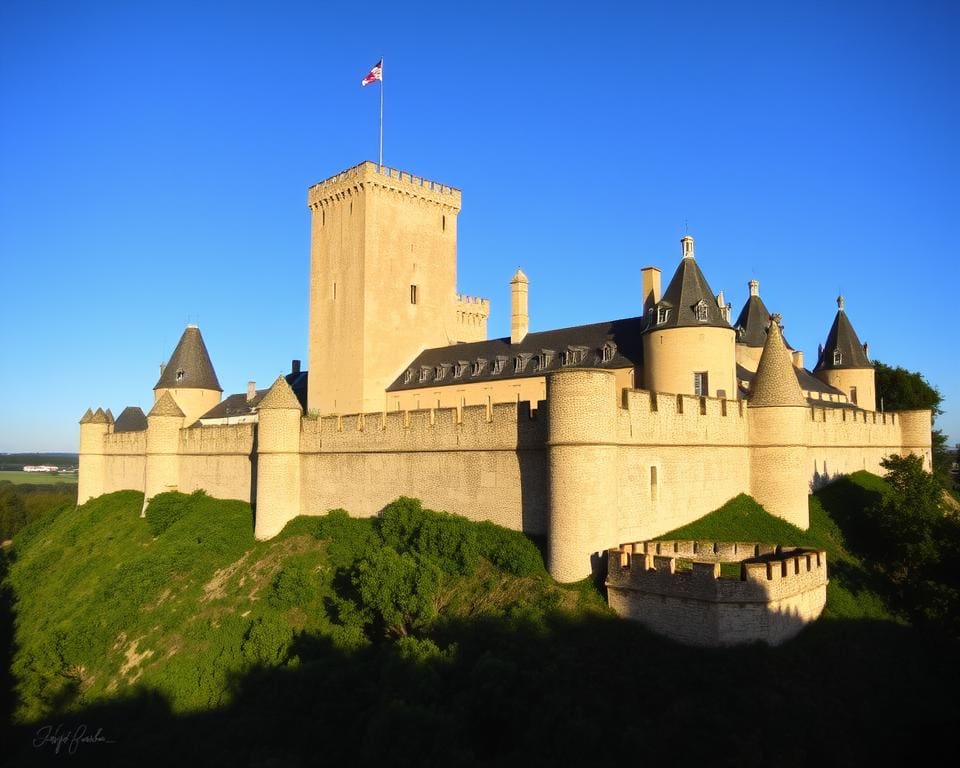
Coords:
507,487
698,622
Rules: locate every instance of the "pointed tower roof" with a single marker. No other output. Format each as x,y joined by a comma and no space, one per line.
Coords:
189,366
687,292
85,419
751,324
280,396
131,419
775,382
166,406
842,348
519,277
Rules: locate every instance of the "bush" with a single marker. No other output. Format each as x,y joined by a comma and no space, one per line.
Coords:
449,540
167,508
293,585
399,589
509,551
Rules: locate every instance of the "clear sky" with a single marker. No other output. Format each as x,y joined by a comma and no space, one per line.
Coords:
155,157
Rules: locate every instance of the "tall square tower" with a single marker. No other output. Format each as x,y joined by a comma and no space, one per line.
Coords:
383,277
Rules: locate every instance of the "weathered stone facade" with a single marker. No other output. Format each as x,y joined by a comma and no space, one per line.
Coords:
676,589
575,453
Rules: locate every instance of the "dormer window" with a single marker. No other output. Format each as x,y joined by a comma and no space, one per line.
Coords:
662,314
544,359
498,364
408,376
460,369
180,375
478,367
701,311
837,357
439,373
520,362
424,373
606,352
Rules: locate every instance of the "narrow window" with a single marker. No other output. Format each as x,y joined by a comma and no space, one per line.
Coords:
653,483
702,312
323,217
413,294
606,354
662,314
700,384
837,357
853,395
334,291
180,375
443,224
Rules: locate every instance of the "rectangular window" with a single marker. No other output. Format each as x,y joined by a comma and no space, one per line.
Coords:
413,294
700,384
853,395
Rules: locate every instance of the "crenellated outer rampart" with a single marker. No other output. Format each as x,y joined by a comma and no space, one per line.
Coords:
124,458
486,465
676,589
218,459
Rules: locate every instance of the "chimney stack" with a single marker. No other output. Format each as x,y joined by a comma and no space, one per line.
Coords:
519,316
295,367
650,277
251,390
754,287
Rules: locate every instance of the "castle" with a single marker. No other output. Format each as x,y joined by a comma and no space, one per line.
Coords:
590,436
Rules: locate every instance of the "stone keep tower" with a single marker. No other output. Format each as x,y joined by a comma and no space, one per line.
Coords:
688,343
189,377
844,364
383,276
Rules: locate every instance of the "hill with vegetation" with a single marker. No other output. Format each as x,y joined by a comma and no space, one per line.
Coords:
419,638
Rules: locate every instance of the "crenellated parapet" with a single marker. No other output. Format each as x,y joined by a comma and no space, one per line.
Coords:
680,589
660,418
217,439
353,180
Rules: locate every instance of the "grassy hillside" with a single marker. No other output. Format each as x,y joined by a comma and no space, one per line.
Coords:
421,639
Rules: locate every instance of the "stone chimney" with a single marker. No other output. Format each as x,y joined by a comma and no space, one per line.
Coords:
295,367
797,358
754,287
519,316
251,390
650,277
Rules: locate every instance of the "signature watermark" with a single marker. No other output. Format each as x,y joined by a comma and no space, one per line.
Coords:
68,740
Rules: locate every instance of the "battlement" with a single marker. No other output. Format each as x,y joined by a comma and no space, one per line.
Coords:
369,172
678,588
647,417
475,303
217,439
502,426
125,442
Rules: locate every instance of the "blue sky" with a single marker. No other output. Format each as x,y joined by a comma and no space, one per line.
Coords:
154,162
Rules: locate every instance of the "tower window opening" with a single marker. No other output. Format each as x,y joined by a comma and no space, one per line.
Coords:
334,291
606,353
662,314
413,294
853,395
700,387
653,483
443,223
180,375
837,357
701,310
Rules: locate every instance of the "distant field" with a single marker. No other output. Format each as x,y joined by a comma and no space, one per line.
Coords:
37,478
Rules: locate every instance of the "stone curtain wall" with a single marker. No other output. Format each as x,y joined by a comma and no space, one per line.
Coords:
489,465
775,597
123,461
217,459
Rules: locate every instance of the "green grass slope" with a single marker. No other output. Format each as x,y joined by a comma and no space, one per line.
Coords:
422,639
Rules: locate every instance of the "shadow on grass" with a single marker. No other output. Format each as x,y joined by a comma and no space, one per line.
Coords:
503,692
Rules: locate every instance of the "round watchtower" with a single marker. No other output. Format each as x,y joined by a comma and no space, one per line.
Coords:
278,460
688,345
189,377
844,364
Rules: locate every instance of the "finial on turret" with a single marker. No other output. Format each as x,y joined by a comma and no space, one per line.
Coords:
686,245
840,302
754,287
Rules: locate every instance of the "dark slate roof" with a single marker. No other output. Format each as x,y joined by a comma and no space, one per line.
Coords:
752,322
235,405
542,352
842,337
131,419
298,383
191,358
687,289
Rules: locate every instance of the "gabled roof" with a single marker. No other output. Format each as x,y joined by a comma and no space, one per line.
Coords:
235,405
687,289
131,419
189,366
540,353
843,339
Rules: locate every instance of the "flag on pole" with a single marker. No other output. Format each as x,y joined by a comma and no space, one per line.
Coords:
374,74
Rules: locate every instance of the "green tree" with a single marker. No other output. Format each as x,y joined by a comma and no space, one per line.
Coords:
13,513
901,390
398,588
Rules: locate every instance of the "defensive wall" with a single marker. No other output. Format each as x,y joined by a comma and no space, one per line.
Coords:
675,588
593,465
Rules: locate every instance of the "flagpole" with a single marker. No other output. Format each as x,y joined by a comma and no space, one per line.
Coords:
381,113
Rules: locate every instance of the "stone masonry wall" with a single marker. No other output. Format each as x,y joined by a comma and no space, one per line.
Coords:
124,458
217,459
776,595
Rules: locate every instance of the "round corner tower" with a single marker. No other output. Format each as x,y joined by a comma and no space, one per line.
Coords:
688,345
189,377
844,364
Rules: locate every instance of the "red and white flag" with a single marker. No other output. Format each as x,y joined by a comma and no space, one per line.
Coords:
374,74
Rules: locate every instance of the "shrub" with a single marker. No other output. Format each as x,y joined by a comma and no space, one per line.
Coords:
293,585
397,588
449,540
509,551
167,508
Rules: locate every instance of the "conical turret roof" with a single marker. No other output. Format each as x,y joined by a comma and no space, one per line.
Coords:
189,366
775,382
85,419
99,417
688,298
280,396
843,348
